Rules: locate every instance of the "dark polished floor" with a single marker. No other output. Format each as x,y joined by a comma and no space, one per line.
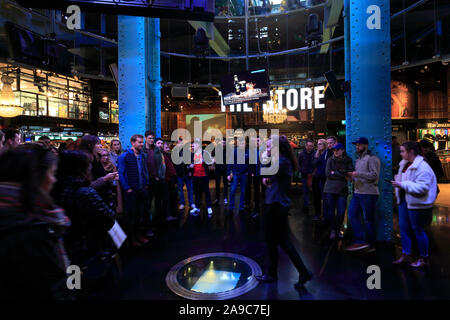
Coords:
337,275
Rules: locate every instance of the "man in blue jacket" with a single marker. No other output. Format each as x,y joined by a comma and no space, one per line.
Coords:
237,174
133,177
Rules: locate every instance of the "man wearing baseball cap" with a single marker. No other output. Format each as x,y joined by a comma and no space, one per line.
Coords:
362,207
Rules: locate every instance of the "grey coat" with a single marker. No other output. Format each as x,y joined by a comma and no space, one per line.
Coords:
367,167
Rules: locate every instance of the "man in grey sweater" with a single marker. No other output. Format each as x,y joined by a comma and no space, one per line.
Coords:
362,207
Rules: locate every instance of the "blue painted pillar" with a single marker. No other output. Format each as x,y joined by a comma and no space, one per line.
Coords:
348,109
153,121
370,105
139,77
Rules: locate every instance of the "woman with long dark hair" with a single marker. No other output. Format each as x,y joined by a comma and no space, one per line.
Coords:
91,146
277,203
91,217
416,190
33,262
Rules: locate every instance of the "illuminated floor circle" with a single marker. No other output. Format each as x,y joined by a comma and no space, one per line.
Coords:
213,276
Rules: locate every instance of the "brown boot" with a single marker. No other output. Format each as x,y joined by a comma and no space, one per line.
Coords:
404,259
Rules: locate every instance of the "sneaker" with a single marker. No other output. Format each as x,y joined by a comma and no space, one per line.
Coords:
181,207
357,246
332,235
403,260
420,263
225,202
171,218
210,212
302,280
194,212
215,202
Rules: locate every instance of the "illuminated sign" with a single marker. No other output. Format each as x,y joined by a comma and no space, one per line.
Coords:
293,99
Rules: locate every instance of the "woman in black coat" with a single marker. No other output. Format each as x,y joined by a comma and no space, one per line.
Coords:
277,203
91,217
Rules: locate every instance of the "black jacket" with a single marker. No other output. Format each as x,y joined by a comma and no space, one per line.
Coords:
182,169
433,160
91,219
305,162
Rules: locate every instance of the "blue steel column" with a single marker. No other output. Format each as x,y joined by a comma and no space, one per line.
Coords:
153,121
139,77
348,109
371,97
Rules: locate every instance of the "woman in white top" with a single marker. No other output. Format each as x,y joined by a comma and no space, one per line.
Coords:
416,190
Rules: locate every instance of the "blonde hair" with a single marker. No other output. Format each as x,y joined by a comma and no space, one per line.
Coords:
318,152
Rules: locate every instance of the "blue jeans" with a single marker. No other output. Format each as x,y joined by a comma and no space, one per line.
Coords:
181,181
305,191
362,218
413,221
339,202
242,180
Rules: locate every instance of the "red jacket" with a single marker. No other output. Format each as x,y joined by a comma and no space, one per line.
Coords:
170,168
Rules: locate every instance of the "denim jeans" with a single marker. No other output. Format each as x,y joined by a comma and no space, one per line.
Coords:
221,175
255,182
305,191
362,218
240,179
181,181
339,202
413,221
136,208
320,203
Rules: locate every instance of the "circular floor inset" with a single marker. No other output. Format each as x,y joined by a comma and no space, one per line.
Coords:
213,276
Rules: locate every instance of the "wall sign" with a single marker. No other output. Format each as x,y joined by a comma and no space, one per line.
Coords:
293,99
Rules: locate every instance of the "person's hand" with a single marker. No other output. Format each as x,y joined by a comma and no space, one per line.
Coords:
117,176
352,174
110,176
396,184
129,191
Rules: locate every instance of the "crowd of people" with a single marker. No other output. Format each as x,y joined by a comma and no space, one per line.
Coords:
56,206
